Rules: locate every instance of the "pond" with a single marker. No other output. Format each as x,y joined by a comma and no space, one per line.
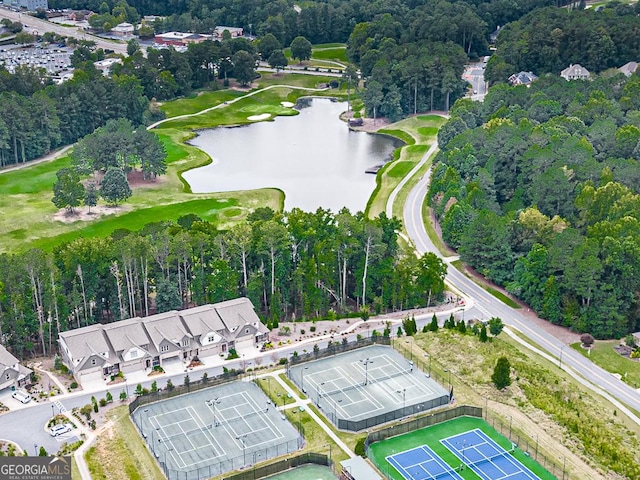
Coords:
313,157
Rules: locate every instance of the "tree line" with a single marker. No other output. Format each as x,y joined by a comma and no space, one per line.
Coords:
537,188
549,40
37,116
292,266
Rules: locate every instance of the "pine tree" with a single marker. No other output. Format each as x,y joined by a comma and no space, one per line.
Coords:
483,333
501,377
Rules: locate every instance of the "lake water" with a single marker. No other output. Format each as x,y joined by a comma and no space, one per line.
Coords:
312,157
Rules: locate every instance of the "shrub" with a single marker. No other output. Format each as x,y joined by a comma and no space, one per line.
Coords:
103,402
123,396
282,361
302,331
187,381
170,385
232,354
587,340
312,328
495,326
73,385
95,408
108,397
205,377
359,448
629,340
365,313
483,333
154,386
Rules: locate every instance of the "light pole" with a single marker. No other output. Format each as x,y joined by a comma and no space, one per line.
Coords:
35,447
449,376
366,363
319,393
404,399
212,403
53,412
429,357
329,445
561,349
244,448
302,378
146,410
410,348
335,413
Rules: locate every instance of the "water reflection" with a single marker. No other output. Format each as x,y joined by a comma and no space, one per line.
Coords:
312,157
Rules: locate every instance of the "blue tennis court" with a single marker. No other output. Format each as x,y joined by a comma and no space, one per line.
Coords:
486,458
422,463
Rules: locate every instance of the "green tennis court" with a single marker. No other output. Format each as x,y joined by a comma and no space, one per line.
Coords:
432,436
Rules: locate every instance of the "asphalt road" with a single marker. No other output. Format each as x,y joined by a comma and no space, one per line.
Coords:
38,26
489,306
474,74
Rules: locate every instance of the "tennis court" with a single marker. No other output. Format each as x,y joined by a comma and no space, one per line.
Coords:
422,463
486,458
458,443
212,431
367,387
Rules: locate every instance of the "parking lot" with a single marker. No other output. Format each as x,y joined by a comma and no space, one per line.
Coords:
56,60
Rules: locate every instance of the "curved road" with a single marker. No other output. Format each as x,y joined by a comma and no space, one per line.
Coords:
599,380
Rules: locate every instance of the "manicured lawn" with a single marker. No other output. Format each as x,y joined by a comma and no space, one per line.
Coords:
418,133
603,355
338,54
121,453
431,436
197,102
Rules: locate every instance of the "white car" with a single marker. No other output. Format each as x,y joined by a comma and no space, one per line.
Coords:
21,396
60,429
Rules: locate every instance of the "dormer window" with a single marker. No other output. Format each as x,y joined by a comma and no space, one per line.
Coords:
246,330
7,376
211,339
134,353
185,342
164,348
93,361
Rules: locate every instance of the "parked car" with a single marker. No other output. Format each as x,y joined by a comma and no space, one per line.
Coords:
21,396
60,429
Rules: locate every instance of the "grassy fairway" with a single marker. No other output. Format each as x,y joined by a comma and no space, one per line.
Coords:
25,195
418,133
603,355
119,452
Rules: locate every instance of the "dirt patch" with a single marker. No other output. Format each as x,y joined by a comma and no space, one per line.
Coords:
82,214
370,125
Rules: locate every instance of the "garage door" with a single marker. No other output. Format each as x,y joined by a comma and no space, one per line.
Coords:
91,377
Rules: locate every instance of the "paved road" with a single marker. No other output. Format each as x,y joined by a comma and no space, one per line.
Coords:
488,306
39,26
474,74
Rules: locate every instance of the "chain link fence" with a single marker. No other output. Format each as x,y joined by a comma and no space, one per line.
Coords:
281,466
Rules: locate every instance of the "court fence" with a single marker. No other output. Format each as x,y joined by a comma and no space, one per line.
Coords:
421,422
337,347
281,466
246,460
369,422
193,386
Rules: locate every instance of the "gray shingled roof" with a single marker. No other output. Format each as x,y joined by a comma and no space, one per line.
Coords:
165,326
86,341
6,358
238,313
126,334
202,320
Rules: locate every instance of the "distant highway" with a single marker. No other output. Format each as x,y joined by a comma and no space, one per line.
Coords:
38,26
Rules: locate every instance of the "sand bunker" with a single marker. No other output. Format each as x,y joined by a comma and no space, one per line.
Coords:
287,104
262,116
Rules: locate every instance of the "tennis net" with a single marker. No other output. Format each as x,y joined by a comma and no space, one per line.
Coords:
370,380
446,473
184,433
227,421
487,459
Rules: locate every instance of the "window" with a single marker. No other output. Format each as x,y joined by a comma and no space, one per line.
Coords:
224,347
93,361
185,342
164,348
134,353
7,376
211,339
246,330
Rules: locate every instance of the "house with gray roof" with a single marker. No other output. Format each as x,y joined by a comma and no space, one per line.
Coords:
629,68
12,374
522,78
140,344
575,72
